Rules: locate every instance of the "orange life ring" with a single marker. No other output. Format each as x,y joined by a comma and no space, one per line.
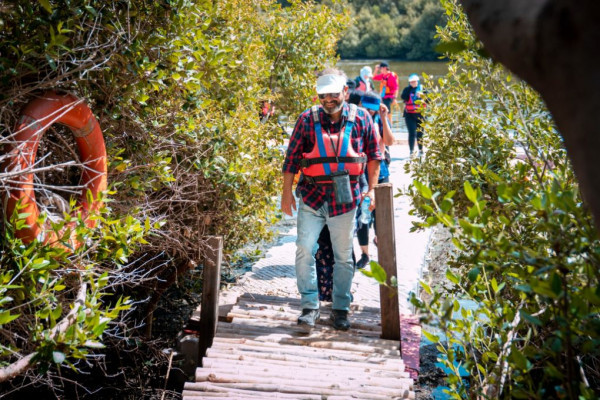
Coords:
35,119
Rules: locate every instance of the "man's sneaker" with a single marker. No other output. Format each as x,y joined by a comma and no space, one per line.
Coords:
364,260
421,153
308,318
340,320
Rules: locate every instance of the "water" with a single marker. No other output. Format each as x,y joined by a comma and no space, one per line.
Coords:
403,69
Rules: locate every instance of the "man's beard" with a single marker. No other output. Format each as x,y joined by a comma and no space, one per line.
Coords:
335,110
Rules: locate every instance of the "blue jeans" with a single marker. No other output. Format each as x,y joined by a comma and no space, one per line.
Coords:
341,228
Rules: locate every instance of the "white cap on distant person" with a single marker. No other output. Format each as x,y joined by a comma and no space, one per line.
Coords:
413,77
330,84
366,72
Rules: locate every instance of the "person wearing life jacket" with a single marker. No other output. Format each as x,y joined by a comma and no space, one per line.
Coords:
378,111
364,81
389,84
330,143
414,105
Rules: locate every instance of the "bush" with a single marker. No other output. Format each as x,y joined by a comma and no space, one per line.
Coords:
175,86
520,309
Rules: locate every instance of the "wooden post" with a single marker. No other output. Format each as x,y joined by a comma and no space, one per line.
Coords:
211,280
386,252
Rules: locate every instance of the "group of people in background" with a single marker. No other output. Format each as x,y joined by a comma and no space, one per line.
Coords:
412,96
341,149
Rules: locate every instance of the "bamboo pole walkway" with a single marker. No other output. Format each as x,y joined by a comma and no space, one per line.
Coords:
262,354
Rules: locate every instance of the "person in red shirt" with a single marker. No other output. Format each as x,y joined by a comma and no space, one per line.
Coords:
389,87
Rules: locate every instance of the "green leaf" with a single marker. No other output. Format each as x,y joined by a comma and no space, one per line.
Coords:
425,287
530,318
473,274
431,337
519,359
451,277
6,317
556,284
424,190
46,5
378,272
56,313
39,263
470,192
494,284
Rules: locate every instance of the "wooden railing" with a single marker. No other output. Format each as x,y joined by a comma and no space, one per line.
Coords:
386,253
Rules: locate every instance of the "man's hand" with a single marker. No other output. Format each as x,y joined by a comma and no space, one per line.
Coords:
287,198
371,195
288,203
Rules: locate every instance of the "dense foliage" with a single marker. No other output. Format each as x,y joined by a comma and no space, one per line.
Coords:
176,87
392,29
519,311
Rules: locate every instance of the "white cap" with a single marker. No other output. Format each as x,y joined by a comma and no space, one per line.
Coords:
413,77
366,72
330,84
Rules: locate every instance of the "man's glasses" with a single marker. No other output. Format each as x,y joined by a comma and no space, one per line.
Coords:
334,95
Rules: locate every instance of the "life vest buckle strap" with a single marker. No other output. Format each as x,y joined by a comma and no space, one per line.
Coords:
307,162
326,179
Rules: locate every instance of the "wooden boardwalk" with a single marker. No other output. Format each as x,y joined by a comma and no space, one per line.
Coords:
261,353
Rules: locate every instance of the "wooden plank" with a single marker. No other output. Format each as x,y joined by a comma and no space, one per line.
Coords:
257,298
365,393
386,252
210,390
276,344
211,281
362,321
308,382
318,339
242,367
322,358
304,376
350,360
257,328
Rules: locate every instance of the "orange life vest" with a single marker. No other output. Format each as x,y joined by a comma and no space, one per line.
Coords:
332,153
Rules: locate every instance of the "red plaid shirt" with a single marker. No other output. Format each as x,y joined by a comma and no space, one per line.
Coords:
303,141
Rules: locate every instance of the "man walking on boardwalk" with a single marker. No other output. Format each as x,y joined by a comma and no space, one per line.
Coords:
330,145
